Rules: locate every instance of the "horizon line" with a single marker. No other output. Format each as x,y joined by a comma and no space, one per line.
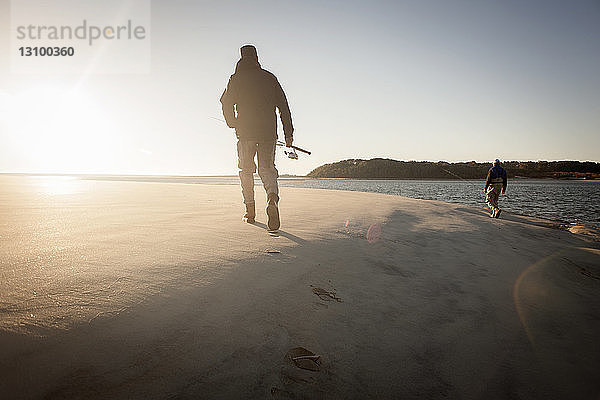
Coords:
282,175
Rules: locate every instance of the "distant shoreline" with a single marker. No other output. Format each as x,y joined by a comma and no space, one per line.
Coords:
384,168
133,177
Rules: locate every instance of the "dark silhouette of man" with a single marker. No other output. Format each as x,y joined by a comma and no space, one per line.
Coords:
249,104
496,183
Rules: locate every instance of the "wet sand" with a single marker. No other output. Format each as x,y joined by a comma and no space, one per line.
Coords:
151,290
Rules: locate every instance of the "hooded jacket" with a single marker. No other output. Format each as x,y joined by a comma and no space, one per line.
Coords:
253,94
496,175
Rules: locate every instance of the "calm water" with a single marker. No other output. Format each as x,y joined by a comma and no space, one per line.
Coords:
574,202
569,201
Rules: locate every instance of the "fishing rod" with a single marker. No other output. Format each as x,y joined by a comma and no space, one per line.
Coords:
459,177
452,173
291,154
281,143
218,119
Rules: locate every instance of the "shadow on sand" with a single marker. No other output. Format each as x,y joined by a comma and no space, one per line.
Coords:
280,232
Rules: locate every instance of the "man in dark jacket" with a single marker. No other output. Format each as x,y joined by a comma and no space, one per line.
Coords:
249,104
496,182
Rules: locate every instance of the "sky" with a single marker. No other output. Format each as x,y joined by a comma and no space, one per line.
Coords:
432,80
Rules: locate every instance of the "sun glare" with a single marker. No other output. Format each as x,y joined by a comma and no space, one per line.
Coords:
57,185
58,129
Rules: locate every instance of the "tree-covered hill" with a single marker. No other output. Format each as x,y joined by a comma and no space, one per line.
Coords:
392,169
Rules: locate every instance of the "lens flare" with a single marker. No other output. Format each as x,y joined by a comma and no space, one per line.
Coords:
374,233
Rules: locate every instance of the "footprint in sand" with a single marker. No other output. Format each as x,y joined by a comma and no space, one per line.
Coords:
326,295
304,359
301,376
272,251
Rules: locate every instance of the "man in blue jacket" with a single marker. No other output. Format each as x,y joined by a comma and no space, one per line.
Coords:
496,183
249,104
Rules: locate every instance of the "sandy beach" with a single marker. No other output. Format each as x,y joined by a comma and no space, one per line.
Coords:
127,290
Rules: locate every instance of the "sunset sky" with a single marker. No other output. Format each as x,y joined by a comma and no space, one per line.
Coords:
410,80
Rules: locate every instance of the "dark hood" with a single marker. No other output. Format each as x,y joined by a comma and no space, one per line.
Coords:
246,63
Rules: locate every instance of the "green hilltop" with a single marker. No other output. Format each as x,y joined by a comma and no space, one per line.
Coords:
381,168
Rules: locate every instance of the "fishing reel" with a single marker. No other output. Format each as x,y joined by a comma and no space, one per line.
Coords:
291,154
290,151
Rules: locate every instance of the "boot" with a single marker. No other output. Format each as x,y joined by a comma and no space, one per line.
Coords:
250,213
272,212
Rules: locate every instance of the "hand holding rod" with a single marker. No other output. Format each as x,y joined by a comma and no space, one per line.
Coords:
280,143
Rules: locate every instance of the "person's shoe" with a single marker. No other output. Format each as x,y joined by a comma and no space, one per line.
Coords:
272,212
250,213
498,213
493,214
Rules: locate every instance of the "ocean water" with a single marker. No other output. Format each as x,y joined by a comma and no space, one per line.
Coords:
574,202
568,201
